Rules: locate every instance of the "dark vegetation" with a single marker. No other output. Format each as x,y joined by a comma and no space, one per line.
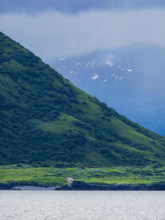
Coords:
46,121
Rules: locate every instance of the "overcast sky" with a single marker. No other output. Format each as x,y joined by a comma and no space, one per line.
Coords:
75,27
73,6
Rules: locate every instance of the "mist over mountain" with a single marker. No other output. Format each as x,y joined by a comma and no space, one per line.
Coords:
129,79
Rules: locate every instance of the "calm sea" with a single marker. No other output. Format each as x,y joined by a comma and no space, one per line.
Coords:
84,205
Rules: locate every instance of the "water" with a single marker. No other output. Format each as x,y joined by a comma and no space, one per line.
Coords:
82,205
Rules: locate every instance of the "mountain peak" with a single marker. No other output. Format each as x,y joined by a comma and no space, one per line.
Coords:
46,119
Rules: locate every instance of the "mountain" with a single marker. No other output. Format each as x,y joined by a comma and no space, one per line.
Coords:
129,79
47,121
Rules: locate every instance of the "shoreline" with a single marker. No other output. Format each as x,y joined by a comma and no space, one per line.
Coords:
80,186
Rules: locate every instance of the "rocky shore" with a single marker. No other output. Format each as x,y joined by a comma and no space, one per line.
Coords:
78,185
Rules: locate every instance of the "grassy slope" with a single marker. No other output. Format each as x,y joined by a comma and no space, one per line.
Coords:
51,176
45,120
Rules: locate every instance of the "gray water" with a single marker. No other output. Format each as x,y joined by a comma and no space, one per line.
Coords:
84,205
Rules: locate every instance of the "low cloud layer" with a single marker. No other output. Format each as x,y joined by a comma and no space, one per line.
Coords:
53,34
75,6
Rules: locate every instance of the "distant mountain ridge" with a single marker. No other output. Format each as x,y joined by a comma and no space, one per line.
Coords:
47,121
130,79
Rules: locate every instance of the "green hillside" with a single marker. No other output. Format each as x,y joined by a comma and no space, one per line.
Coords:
47,121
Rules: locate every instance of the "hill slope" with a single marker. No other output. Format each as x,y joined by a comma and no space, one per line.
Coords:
129,79
45,120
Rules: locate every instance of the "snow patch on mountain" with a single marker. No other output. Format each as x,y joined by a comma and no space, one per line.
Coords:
62,58
71,71
109,63
90,64
95,77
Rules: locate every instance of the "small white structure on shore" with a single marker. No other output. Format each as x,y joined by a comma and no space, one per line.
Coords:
70,180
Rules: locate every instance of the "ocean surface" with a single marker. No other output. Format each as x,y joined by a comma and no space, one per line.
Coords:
84,205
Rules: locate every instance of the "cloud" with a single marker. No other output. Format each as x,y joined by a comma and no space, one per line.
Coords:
54,34
75,6
69,6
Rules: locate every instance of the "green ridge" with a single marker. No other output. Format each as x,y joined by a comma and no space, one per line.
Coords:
47,121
